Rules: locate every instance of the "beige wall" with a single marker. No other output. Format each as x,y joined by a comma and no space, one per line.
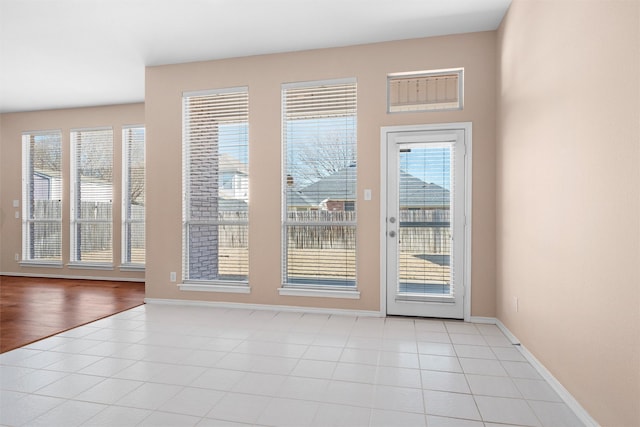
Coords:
264,76
11,128
556,200
568,192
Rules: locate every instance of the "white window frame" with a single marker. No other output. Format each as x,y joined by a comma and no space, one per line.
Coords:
27,197
127,222
75,222
210,285
311,290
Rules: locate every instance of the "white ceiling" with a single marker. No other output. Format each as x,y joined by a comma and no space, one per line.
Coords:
74,53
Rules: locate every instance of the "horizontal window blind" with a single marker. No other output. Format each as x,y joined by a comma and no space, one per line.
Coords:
42,196
133,181
216,186
92,195
425,248
425,90
319,183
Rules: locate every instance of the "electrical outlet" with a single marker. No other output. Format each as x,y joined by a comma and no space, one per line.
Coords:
172,276
17,214
17,256
16,203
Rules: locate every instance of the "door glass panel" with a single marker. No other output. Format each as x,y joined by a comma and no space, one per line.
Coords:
424,238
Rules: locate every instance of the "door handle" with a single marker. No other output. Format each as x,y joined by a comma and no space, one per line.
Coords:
392,233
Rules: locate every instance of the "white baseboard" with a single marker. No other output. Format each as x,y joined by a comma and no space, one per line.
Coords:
564,394
265,307
66,276
483,320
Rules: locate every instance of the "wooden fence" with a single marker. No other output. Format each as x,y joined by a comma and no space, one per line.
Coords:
46,237
421,231
425,231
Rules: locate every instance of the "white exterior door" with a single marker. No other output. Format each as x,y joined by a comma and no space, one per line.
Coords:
425,232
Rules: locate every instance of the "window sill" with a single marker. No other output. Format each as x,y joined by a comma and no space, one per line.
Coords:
132,267
45,264
90,265
322,293
215,287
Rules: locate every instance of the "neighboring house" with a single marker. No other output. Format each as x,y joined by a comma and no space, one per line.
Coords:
234,184
234,179
296,201
416,194
330,193
96,190
47,185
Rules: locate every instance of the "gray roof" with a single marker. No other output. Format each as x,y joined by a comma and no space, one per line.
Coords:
332,187
414,192
296,198
48,173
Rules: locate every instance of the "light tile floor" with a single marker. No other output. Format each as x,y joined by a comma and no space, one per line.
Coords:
163,365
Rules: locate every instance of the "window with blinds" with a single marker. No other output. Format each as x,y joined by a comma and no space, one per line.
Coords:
425,91
92,196
426,186
42,197
216,186
319,184
133,192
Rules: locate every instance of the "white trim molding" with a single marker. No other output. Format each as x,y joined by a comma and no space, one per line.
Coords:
562,392
265,307
482,320
41,264
323,293
68,276
90,266
213,287
133,267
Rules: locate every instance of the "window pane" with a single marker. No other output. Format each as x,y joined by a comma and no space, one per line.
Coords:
94,242
234,252
319,132
92,195
134,195
203,251
44,240
216,185
135,246
321,255
425,184
42,196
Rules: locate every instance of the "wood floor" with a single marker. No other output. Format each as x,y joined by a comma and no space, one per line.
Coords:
35,308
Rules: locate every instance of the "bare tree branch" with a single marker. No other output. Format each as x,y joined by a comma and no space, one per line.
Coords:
324,156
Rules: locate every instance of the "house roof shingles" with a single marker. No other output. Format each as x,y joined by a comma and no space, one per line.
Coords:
414,192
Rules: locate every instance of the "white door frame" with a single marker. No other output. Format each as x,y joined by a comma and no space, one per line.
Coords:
384,133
